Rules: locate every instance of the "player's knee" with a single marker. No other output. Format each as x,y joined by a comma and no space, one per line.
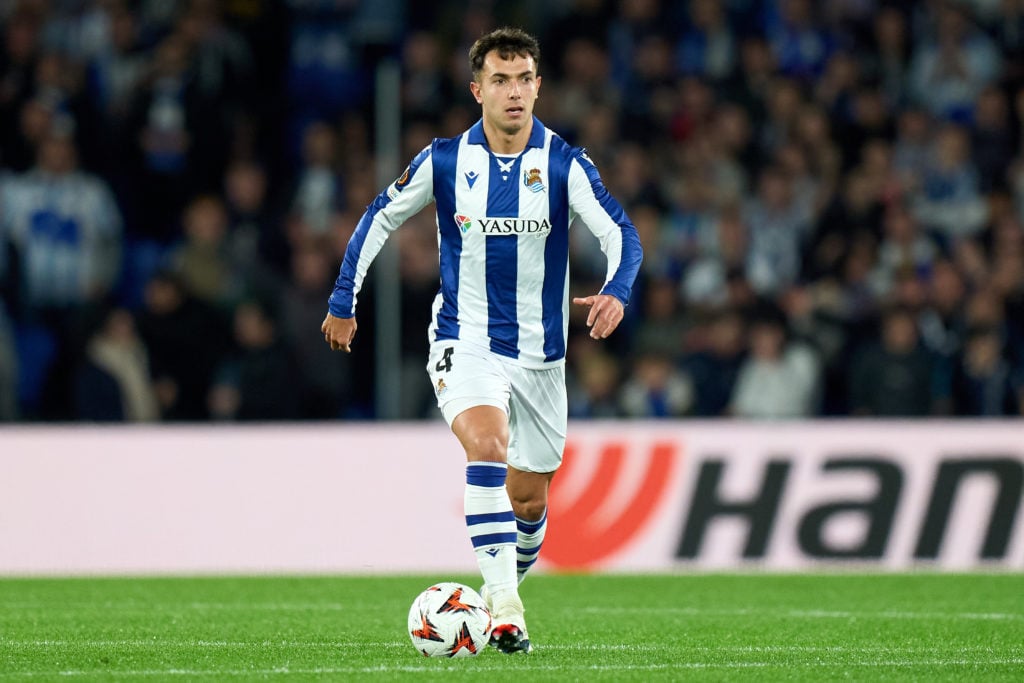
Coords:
487,448
530,509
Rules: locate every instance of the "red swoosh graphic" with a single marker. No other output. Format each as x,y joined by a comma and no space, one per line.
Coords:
575,539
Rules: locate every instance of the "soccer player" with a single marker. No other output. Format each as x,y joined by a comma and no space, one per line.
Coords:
506,192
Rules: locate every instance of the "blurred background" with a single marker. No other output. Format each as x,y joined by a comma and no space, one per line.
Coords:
830,196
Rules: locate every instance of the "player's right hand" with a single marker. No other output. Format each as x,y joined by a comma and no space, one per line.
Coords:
339,332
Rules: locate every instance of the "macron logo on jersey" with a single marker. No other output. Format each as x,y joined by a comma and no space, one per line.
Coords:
504,226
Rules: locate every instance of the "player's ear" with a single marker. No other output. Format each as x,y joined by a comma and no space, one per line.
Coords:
537,87
474,88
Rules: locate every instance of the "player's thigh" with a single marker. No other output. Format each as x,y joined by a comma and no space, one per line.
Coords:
538,416
464,376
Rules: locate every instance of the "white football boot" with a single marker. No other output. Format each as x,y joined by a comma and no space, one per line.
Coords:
509,633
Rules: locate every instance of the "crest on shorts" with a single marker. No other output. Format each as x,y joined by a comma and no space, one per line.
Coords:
441,386
532,180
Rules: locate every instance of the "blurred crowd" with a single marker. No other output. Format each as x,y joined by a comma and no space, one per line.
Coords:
830,196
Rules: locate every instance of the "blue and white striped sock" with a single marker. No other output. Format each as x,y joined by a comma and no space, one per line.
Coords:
529,539
492,525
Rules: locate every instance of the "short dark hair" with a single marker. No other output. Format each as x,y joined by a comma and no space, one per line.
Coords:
508,41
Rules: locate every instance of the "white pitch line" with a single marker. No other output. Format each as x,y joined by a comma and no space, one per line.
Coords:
286,671
806,614
687,611
226,606
763,649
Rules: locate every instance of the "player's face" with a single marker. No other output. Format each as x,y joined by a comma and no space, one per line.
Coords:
507,90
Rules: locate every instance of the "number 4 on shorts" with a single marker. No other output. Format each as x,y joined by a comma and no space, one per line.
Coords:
445,364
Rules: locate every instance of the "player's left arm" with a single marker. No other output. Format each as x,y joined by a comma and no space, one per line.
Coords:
605,217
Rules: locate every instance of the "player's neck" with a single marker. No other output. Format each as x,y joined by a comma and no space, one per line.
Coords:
503,143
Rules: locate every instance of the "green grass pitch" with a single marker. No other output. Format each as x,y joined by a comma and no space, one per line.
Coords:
707,627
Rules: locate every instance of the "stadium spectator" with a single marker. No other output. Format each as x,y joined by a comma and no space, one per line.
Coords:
592,385
584,20
662,326
319,190
714,364
949,201
754,80
894,376
852,215
325,76
113,383
779,377
583,88
982,380
912,151
425,85
800,44
20,52
203,260
707,46
186,340
904,247
113,74
992,140
889,61
951,67
778,228
655,388
822,158
65,228
256,243
325,377
66,233
163,138
257,381
783,103
941,322
723,258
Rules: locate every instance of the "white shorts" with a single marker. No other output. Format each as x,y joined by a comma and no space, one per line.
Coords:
464,375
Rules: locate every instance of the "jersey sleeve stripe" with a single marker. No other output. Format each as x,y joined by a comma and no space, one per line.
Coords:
622,245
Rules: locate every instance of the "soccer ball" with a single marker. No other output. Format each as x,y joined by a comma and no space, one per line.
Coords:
449,620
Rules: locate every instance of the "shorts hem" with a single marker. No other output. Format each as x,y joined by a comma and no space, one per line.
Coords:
452,409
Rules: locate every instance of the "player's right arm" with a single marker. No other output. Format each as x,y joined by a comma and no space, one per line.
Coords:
392,207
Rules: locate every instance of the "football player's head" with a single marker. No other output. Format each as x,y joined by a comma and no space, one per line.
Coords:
505,81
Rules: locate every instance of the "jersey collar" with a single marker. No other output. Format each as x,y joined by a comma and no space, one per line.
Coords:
477,137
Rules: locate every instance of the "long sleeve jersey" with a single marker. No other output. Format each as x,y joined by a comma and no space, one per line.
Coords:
503,235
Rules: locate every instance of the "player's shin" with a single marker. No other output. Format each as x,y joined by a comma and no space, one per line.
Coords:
529,538
492,526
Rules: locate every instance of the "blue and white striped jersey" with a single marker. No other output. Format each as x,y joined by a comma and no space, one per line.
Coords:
503,234
67,231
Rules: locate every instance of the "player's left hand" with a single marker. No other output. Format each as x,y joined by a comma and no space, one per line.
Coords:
606,313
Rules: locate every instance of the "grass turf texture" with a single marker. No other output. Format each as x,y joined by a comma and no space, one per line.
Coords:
605,628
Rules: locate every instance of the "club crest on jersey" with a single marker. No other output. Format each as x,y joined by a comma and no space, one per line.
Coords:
532,180
464,222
